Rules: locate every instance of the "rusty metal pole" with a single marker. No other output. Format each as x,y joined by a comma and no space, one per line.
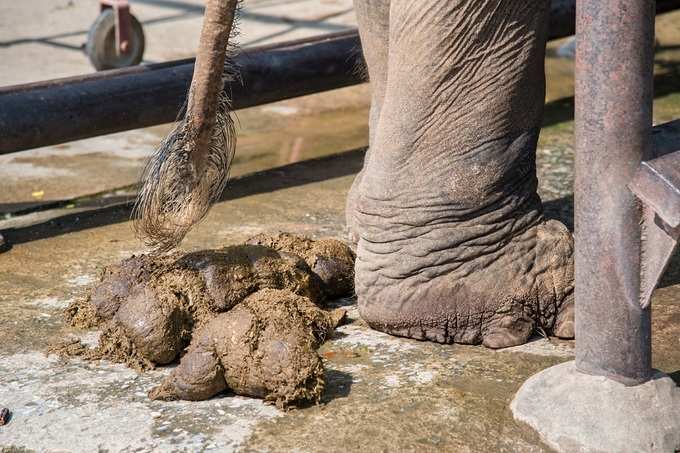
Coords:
614,94
57,111
621,190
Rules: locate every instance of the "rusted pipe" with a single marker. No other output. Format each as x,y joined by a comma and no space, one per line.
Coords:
614,92
57,111
562,18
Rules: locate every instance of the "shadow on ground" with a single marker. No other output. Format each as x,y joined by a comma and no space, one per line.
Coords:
119,209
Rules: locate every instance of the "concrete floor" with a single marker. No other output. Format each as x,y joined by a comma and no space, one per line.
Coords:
383,393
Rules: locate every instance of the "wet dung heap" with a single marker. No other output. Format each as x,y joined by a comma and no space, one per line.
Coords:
244,318
331,260
264,347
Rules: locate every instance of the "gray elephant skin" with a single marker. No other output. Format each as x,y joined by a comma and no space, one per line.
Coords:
452,244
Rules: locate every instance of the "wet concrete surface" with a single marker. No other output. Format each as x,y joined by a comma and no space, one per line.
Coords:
383,393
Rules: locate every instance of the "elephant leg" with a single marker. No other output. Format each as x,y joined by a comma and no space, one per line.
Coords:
373,20
453,245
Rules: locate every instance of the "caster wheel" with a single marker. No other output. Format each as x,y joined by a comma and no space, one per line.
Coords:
101,43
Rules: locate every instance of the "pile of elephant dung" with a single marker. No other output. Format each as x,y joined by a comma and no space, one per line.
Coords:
249,315
331,260
114,285
265,347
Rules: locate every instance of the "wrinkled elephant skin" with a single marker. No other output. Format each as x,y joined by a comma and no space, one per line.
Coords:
452,245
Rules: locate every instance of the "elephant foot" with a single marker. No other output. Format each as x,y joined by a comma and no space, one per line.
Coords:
497,299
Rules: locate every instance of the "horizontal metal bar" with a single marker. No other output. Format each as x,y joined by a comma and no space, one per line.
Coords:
665,6
563,16
74,108
57,111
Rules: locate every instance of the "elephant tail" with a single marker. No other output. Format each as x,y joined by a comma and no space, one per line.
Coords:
188,172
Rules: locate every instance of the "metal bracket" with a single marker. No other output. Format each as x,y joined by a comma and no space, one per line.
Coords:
121,9
657,184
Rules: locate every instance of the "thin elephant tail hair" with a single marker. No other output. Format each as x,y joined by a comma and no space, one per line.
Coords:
174,195
189,171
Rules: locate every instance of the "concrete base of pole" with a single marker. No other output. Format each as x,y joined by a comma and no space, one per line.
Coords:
576,412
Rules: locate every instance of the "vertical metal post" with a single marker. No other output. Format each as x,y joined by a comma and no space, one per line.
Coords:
614,93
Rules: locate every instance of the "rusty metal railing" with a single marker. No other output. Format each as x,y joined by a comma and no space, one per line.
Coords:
57,111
